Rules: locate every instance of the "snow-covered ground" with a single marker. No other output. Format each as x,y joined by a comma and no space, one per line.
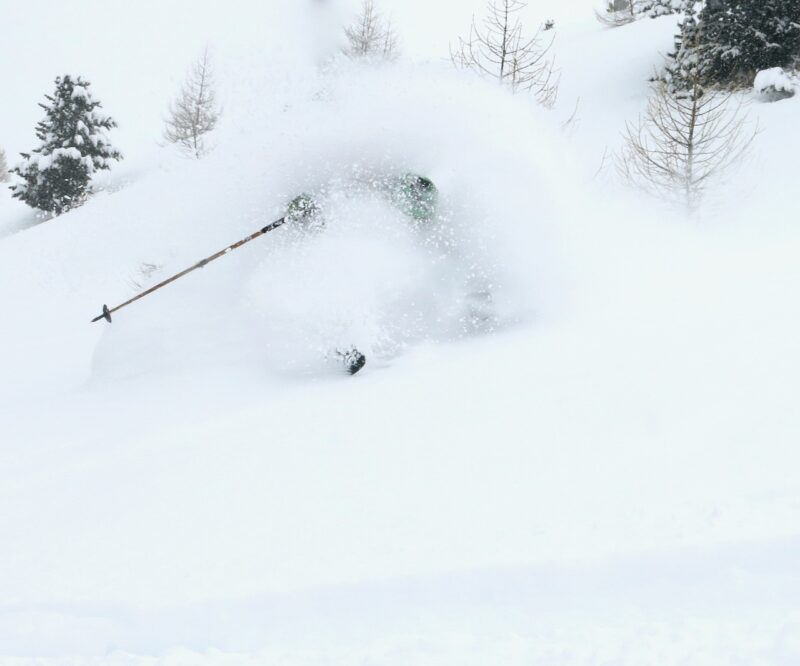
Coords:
604,472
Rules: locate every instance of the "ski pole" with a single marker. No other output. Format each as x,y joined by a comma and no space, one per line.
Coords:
107,312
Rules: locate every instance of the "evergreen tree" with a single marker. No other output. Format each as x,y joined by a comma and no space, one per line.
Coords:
685,67
727,41
742,37
57,175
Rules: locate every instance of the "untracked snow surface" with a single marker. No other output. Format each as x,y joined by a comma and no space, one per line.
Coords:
576,437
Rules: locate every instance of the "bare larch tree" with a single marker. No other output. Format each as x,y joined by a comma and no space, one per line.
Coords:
195,112
371,35
682,142
499,48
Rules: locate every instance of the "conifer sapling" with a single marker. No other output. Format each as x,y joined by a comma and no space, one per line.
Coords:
56,176
725,42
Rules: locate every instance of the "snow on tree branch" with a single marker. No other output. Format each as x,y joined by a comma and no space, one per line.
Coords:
621,12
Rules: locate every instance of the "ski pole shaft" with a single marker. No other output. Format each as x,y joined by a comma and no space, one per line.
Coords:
107,312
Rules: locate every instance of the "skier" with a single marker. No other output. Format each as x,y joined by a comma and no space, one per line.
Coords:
414,195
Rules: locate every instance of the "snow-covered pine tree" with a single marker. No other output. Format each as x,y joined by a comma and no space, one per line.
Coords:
741,37
684,67
57,175
726,42
3,167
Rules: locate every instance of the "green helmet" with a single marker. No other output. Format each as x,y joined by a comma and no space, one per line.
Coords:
415,195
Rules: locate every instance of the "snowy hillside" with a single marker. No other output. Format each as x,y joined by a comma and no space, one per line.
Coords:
599,467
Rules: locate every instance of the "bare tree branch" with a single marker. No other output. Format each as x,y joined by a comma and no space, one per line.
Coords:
194,113
681,143
371,35
498,48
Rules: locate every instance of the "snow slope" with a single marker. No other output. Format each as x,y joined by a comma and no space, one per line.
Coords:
607,475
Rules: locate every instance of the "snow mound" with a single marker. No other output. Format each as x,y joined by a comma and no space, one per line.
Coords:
775,84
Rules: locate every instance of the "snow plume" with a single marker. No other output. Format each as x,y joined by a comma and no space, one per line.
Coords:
372,277
386,282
